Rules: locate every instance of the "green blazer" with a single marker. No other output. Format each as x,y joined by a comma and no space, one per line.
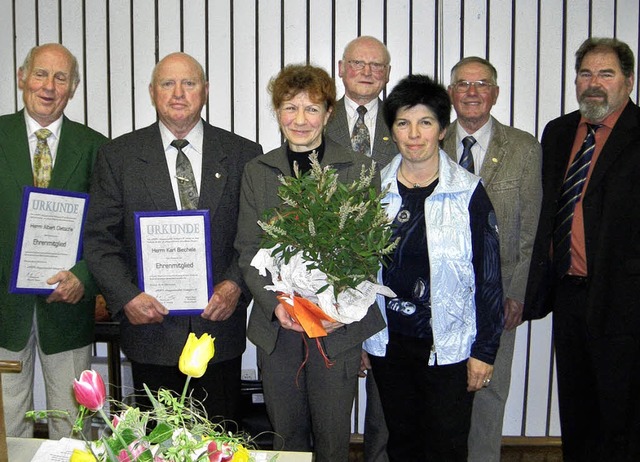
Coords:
61,326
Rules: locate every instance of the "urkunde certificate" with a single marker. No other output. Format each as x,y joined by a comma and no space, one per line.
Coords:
174,258
49,238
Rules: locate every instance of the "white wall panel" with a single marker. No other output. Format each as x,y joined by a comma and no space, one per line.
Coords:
347,26
220,96
48,20
294,32
144,44
244,43
73,39
8,64
398,40
121,58
244,73
95,78
269,64
424,40
521,96
321,46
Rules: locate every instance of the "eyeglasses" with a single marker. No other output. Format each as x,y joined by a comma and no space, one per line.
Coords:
463,86
357,65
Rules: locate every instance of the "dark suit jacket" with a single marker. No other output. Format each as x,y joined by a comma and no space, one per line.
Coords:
384,148
259,194
611,221
510,173
61,326
131,175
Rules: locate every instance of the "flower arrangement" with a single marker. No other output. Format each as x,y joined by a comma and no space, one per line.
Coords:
324,246
180,432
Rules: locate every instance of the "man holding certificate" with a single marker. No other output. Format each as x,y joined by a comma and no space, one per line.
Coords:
162,197
40,147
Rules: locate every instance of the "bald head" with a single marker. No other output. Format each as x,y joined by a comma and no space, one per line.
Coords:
364,68
178,91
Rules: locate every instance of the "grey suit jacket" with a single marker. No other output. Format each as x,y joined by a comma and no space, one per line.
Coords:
384,148
259,194
131,175
511,174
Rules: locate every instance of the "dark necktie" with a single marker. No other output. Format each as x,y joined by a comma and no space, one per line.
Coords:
187,187
466,161
360,141
569,196
42,160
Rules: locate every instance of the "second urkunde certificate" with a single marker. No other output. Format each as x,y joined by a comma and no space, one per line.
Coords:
174,258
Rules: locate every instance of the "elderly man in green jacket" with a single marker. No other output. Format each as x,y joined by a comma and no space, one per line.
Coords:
58,326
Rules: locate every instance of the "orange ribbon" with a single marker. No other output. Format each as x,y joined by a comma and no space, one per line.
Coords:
307,314
310,317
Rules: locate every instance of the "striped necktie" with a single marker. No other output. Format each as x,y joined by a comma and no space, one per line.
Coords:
466,161
570,194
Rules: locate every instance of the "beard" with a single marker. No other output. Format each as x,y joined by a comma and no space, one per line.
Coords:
594,110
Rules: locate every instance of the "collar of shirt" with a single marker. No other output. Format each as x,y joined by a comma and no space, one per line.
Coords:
369,118
52,141
479,149
193,151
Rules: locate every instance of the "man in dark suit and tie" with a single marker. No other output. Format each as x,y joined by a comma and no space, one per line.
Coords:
357,123
40,146
364,69
509,161
586,257
141,171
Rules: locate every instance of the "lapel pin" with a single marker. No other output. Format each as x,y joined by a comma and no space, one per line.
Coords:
494,160
385,138
218,175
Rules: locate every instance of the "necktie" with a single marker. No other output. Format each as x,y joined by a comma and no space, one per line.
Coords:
569,196
42,161
187,188
466,161
360,141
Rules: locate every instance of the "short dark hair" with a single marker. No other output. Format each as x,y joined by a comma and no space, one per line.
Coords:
621,49
296,78
418,89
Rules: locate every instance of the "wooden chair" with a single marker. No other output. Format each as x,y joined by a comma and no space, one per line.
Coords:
5,366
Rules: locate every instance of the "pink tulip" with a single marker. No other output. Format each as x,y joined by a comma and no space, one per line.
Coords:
135,449
223,454
90,390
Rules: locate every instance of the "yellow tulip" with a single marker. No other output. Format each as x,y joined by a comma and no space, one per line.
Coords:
79,455
241,455
196,354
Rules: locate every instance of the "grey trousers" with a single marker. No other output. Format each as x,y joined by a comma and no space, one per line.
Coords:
310,407
375,428
485,436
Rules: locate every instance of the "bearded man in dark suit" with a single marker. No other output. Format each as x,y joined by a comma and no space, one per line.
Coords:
60,326
586,257
138,172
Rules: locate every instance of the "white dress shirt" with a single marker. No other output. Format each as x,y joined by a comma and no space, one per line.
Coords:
193,151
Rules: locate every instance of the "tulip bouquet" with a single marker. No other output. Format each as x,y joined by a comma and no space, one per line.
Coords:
180,431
